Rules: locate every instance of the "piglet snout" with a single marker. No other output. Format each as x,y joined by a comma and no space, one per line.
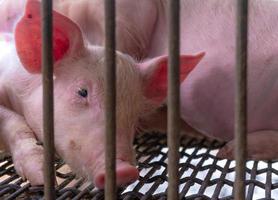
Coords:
125,174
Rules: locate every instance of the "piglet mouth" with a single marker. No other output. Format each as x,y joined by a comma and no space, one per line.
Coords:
125,174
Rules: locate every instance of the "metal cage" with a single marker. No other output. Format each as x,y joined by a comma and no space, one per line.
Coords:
201,175
158,165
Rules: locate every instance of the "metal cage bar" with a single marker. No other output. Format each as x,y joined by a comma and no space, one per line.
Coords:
110,100
173,99
48,101
241,97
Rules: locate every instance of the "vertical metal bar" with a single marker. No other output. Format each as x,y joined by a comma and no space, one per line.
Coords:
173,99
110,100
241,97
48,125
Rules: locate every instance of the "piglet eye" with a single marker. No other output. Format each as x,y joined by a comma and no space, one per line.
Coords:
83,92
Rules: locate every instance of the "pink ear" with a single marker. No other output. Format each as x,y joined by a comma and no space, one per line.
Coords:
155,74
67,37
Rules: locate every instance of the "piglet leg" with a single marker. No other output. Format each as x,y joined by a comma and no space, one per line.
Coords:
19,139
262,145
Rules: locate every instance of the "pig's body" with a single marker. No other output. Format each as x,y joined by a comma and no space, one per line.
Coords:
206,96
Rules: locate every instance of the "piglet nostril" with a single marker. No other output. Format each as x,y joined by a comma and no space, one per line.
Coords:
125,174
99,180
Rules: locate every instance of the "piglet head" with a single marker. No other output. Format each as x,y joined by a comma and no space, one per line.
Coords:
79,95
154,73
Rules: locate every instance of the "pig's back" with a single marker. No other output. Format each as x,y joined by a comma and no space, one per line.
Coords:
207,98
207,95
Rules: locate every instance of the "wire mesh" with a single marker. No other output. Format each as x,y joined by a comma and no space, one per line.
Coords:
202,175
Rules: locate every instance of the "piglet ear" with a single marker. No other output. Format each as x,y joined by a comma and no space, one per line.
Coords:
155,74
67,37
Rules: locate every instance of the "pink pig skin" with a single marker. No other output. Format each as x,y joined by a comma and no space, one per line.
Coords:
207,95
78,96
89,16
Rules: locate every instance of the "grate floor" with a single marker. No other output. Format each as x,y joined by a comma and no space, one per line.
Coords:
202,175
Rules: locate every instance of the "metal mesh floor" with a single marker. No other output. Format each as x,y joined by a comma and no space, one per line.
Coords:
202,176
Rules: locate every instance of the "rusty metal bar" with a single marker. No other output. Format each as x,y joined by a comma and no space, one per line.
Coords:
48,102
173,99
241,97
110,100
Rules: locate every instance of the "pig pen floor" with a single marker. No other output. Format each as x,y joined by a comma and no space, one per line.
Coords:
202,175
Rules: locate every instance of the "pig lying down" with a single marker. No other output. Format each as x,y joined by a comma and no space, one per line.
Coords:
207,94
78,94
